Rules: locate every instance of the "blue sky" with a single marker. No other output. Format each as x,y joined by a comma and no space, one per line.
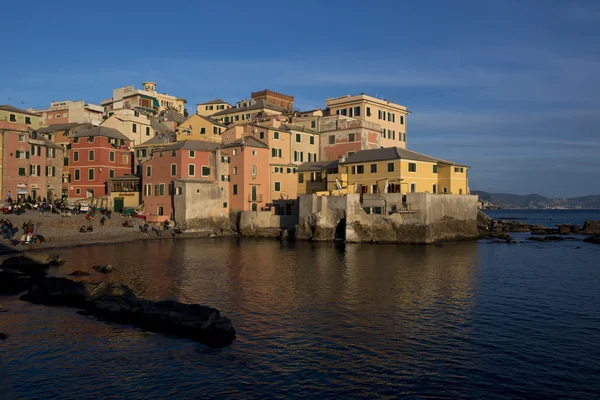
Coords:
511,87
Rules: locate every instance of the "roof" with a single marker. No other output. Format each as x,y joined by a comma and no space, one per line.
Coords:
8,107
65,127
210,120
392,153
259,104
158,127
197,145
101,131
172,115
161,138
318,166
215,101
247,141
47,142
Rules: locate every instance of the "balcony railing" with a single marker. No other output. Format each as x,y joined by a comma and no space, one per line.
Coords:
257,198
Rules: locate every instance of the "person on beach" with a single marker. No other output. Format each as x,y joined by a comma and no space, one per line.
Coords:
8,197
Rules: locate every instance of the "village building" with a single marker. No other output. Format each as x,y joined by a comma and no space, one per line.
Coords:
143,152
190,161
391,117
144,100
31,164
15,115
95,156
211,107
67,111
200,127
124,192
136,126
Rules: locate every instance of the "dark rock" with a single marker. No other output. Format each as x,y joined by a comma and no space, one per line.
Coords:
504,236
545,231
545,238
593,239
3,309
484,222
79,273
3,336
591,228
31,261
117,302
105,269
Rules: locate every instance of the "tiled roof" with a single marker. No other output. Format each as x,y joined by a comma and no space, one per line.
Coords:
101,131
172,115
212,121
197,145
215,101
158,127
8,107
391,153
246,141
318,166
160,138
257,106
65,127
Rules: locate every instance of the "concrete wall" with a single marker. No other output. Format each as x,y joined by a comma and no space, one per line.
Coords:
264,223
199,206
422,218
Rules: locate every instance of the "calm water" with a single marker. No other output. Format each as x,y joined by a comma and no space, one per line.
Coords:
466,320
547,217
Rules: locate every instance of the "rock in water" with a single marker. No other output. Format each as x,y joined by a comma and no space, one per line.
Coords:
117,302
593,239
79,273
105,269
591,228
545,238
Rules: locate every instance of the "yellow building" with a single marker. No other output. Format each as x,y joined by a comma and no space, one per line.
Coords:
386,170
200,127
212,107
390,116
16,115
136,126
248,111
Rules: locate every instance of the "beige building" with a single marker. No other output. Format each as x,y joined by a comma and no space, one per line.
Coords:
15,115
200,127
136,126
212,107
391,117
145,100
64,112
248,111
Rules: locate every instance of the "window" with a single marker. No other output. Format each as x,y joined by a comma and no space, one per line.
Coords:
279,153
57,115
262,135
111,156
77,191
434,189
160,189
278,186
298,138
225,205
459,170
373,168
91,174
254,170
254,152
205,170
435,169
173,169
378,114
77,175
75,156
173,153
368,111
273,152
178,190
332,139
402,120
357,111
13,118
312,140
360,169
191,170
28,120
295,156
412,167
147,131
202,130
148,171
300,177
313,124
234,152
413,187
21,138
192,153
276,135
309,157
350,153
391,167
235,170
111,173
21,171
235,189
134,128
159,211
147,190
289,170
351,137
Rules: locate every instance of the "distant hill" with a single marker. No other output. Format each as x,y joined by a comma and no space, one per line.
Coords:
507,200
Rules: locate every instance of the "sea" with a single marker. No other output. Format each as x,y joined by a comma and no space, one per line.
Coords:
465,320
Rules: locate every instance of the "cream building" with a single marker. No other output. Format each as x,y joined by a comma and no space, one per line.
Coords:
212,107
147,99
64,112
391,117
136,126
15,115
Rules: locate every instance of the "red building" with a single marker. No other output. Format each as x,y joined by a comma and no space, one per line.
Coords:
31,164
188,159
96,155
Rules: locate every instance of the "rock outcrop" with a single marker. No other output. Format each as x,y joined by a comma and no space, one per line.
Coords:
117,302
593,239
484,223
545,238
591,228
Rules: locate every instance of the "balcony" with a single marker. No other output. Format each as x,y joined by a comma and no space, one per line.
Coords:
257,198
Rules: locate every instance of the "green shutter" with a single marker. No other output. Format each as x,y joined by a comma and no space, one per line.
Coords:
27,155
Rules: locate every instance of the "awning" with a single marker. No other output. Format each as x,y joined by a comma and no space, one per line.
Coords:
156,104
21,191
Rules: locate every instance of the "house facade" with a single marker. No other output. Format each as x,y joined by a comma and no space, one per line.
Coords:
67,111
200,127
14,115
147,99
133,124
212,107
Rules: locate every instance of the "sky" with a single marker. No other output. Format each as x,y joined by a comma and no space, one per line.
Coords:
509,87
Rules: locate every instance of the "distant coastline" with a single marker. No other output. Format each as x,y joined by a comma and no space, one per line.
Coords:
507,201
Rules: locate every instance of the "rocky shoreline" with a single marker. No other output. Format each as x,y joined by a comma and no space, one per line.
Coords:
112,301
499,230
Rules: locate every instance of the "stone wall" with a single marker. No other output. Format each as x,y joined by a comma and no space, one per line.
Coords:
200,207
264,223
412,218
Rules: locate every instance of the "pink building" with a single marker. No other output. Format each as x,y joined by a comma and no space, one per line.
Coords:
188,159
31,164
249,174
96,155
